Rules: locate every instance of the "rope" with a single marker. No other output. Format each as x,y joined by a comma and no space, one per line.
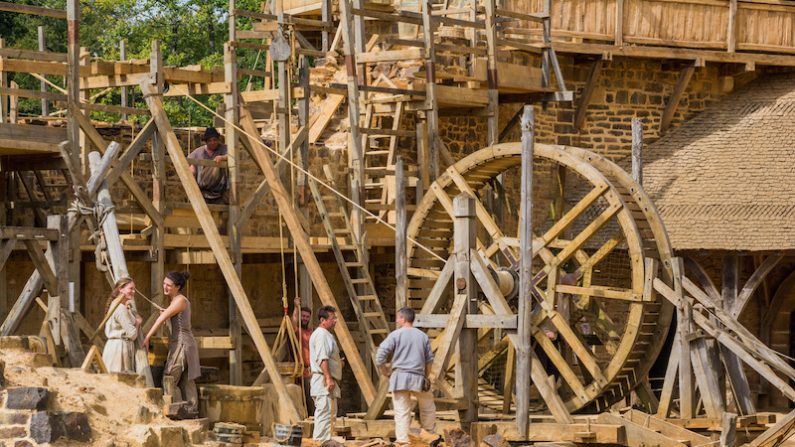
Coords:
320,182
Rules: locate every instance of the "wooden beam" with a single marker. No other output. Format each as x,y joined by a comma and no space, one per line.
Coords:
637,151
33,10
731,32
684,328
754,282
301,239
219,250
6,247
42,266
676,96
401,218
96,139
132,151
587,93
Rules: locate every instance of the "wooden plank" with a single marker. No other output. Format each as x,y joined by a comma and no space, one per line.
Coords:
401,223
684,329
664,427
470,321
32,94
6,247
219,250
676,96
32,289
33,10
12,232
637,435
587,92
389,56
304,248
731,31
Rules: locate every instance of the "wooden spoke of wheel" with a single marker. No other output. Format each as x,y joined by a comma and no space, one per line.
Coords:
483,214
564,330
567,219
561,364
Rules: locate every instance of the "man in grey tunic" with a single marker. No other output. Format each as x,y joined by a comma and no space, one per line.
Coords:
410,351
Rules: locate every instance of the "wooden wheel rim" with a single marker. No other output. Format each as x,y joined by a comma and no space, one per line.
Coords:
647,319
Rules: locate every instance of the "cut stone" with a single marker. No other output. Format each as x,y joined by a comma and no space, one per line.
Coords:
26,398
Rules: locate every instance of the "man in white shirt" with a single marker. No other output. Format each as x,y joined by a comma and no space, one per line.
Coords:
326,367
410,352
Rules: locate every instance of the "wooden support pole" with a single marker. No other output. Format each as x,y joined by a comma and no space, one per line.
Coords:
524,334
684,329
123,57
109,226
637,150
728,432
731,32
303,122
45,107
302,244
587,93
73,77
466,370
491,73
355,150
431,107
619,27
325,15
3,84
218,247
676,96
233,224
401,222
738,380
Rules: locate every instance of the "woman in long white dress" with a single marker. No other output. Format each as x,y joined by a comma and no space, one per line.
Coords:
121,329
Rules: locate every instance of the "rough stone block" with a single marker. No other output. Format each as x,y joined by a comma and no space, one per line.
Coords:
14,418
48,427
155,396
142,436
2,373
14,342
144,415
130,379
11,432
23,443
26,398
75,426
173,436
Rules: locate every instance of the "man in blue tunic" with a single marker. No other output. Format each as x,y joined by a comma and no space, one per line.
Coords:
410,352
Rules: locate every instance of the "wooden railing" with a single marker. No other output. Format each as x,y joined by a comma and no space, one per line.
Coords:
730,25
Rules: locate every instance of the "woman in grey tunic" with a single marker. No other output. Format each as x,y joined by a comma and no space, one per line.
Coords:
121,329
182,363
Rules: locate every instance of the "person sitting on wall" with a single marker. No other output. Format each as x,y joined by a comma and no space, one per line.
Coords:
213,180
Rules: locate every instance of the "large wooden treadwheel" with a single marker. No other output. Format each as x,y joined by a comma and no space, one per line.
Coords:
597,328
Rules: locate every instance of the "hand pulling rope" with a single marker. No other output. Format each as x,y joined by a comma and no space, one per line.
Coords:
312,177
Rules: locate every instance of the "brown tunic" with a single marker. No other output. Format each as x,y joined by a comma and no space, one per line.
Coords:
182,349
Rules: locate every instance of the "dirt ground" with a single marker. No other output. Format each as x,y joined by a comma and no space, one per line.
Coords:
114,407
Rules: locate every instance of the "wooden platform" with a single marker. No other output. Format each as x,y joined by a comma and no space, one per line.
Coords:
20,139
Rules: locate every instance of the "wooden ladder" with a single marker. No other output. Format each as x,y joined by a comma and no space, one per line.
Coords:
380,135
352,266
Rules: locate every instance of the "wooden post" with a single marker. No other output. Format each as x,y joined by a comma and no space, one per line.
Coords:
618,40
637,150
731,32
431,109
73,77
466,369
303,121
3,84
123,57
109,226
401,262
547,38
524,334
684,328
491,74
423,157
45,107
55,257
233,228
157,254
728,433
325,15
355,151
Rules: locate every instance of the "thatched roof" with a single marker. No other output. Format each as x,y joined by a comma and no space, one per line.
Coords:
725,180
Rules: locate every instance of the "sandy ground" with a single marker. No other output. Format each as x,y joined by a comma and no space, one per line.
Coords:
112,406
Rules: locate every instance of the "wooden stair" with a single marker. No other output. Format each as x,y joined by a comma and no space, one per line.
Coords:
352,266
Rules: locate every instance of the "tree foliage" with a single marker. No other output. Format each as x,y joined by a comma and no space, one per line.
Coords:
190,31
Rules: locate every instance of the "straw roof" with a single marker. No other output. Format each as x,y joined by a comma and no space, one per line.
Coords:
725,180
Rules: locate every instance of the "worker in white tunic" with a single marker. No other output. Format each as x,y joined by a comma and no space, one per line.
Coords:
121,328
410,352
326,367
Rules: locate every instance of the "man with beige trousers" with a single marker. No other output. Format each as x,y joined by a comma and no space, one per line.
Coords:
411,359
